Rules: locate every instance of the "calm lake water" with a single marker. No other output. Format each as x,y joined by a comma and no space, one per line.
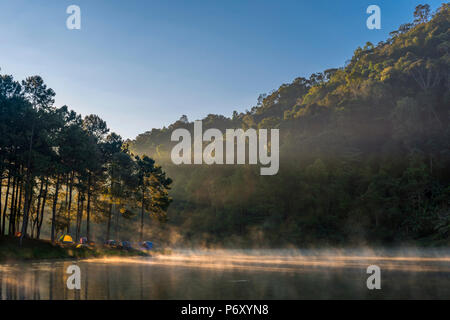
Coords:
274,274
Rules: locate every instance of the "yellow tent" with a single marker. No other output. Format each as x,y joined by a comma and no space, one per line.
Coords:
65,238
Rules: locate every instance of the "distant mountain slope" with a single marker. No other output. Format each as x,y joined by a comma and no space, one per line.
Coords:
365,153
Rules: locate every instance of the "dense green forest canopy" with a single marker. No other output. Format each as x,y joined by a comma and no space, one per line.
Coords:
364,153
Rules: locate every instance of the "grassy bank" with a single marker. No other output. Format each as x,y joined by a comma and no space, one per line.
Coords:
42,249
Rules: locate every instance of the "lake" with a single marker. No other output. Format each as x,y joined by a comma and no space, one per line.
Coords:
237,274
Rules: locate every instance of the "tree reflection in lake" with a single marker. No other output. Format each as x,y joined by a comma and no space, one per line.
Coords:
235,275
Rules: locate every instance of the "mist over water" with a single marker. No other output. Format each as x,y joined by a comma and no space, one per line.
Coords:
238,274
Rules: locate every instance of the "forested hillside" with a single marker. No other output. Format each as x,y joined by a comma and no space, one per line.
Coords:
364,154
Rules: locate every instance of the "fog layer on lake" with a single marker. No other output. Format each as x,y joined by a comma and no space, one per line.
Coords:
406,273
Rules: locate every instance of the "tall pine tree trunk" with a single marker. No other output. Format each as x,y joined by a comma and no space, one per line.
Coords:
55,202
38,207
108,227
69,207
41,217
12,207
26,205
28,187
1,194
142,216
19,207
116,212
6,205
88,209
79,215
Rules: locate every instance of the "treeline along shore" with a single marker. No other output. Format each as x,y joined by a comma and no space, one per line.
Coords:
59,171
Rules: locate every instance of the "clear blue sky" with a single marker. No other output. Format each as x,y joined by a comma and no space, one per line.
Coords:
141,64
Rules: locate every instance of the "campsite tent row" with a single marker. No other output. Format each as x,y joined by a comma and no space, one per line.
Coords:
67,239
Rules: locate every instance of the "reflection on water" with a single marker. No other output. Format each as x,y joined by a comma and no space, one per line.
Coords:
236,275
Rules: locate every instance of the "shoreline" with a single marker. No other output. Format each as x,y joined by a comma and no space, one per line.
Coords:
41,250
